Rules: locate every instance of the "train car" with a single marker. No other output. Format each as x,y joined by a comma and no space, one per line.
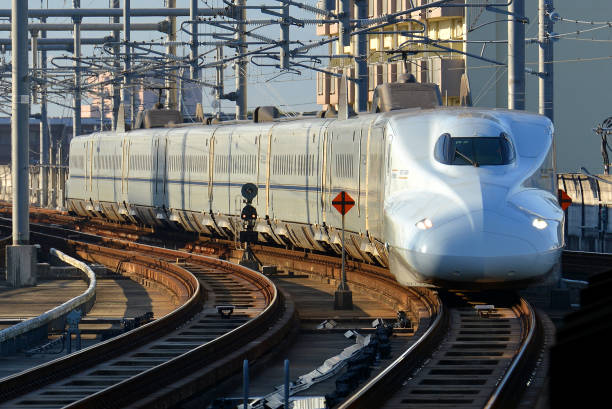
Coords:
457,197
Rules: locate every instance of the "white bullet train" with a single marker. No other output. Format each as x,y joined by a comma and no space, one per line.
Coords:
455,197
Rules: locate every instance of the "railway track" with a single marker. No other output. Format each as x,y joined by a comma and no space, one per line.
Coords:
470,349
481,358
188,349
466,355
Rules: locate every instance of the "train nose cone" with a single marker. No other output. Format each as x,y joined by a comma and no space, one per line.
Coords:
480,247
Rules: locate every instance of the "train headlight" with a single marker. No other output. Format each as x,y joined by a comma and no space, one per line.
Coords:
539,224
424,224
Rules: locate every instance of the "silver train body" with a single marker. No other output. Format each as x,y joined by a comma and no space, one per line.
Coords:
433,215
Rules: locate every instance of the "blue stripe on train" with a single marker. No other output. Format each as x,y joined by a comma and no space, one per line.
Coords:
221,184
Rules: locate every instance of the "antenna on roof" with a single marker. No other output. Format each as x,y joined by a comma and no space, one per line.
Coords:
200,113
345,111
120,119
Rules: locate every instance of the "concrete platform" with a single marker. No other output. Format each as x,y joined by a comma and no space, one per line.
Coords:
28,302
115,299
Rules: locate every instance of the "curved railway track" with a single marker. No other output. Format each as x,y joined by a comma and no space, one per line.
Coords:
465,356
188,349
482,358
471,349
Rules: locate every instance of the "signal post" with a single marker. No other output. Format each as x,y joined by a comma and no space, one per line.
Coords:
343,297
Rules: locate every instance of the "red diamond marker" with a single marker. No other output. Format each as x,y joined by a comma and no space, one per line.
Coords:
343,203
564,199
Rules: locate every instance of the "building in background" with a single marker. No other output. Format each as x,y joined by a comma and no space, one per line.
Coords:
147,94
426,62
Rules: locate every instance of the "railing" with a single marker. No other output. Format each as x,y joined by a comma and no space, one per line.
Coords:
34,328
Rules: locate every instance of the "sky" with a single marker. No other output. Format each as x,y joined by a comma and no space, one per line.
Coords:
266,86
583,63
582,80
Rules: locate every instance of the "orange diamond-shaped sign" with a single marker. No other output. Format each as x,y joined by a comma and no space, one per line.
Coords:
564,199
343,203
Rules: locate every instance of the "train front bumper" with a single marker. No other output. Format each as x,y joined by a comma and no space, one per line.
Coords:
482,248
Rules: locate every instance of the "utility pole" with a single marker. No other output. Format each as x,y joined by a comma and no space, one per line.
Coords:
44,126
284,37
219,89
21,256
545,58
127,83
193,15
171,83
501,53
241,64
76,123
344,29
516,55
117,68
361,69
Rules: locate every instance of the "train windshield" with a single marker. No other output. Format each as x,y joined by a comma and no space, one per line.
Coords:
474,151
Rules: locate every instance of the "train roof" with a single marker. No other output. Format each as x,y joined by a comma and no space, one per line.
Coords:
497,115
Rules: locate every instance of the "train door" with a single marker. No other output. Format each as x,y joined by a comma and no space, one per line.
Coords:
160,178
325,182
97,168
375,151
211,168
125,169
88,169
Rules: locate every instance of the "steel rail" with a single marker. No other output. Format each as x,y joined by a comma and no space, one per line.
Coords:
39,376
220,355
511,386
210,354
508,388
394,374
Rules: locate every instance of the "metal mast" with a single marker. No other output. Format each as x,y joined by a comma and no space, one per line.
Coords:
193,56
241,64
171,82
545,58
361,69
76,124
20,133
44,128
516,56
117,68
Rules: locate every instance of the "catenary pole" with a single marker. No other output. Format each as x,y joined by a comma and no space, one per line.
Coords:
44,128
545,58
193,16
361,69
76,124
171,83
241,64
116,68
20,135
516,56
127,81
